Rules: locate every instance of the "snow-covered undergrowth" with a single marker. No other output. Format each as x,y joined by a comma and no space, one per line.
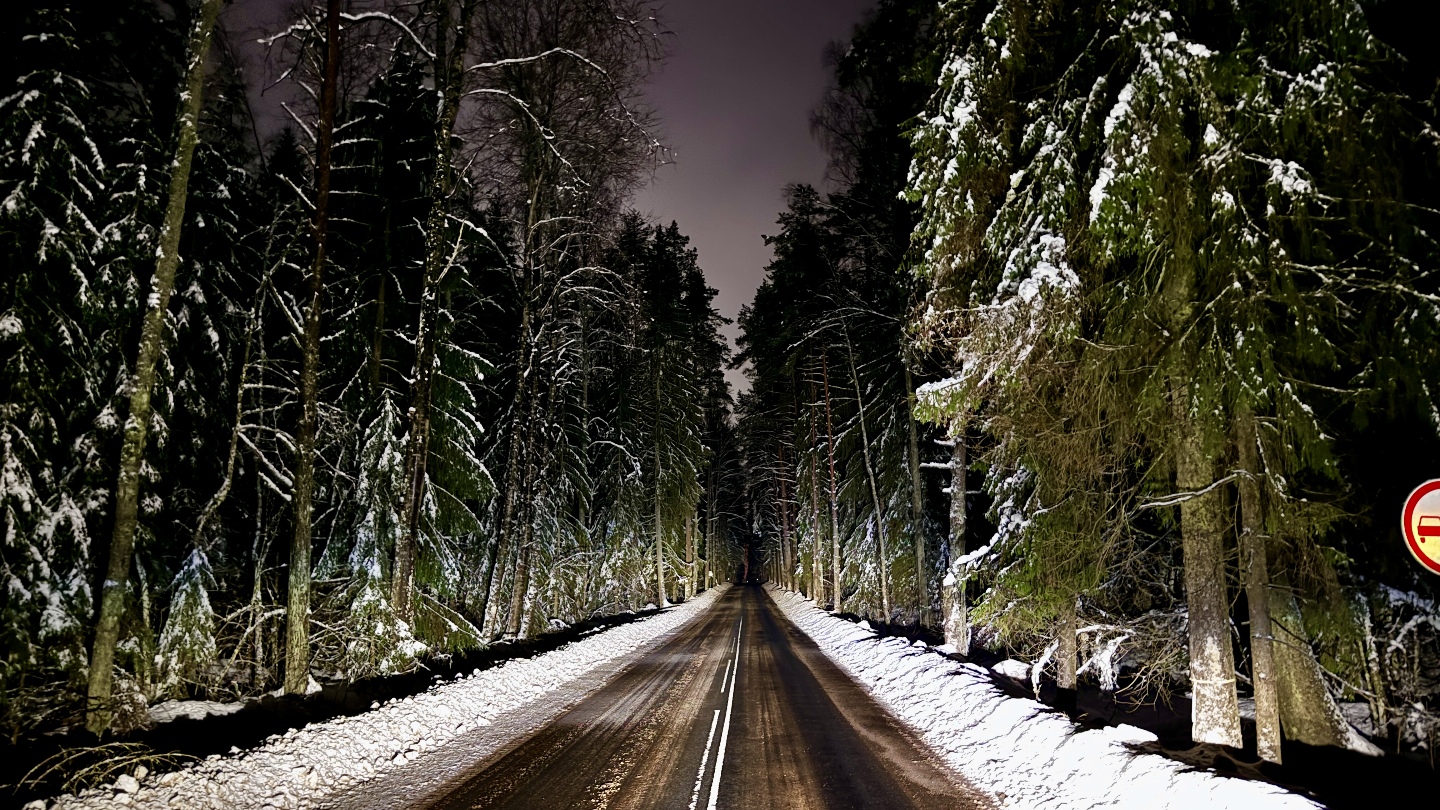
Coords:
313,766
1018,750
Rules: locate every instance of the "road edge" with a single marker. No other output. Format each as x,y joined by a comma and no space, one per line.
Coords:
1020,751
319,764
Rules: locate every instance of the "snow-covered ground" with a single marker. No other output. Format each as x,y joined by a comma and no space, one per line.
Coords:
1018,750
440,731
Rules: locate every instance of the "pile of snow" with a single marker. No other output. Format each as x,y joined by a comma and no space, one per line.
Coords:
318,765
190,710
1018,750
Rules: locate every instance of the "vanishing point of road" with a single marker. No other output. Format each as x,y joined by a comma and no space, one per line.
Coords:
738,709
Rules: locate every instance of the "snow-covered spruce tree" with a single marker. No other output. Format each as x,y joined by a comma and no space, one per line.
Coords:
54,201
996,177
1240,373
187,646
1206,334
372,639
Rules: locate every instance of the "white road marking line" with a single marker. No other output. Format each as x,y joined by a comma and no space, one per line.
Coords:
700,777
726,676
725,732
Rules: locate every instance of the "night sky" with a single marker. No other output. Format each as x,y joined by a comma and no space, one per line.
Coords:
734,101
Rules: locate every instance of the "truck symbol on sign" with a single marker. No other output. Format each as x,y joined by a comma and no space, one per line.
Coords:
1429,527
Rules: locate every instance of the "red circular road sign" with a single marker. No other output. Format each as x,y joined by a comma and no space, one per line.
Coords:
1421,524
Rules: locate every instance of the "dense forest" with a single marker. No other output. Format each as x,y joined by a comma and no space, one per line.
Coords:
1110,345
1113,349
407,370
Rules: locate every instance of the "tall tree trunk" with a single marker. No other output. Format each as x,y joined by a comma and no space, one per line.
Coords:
661,598
817,561
520,584
881,553
709,524
917,509
132,450
1257,590
1215,710
786,566
297,609
834,493
440,255
689,556
955,611
1308,713
519,425
1066,654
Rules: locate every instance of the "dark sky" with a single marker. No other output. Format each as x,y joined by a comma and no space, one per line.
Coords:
734,100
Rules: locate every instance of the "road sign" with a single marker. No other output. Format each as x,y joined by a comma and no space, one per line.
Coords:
1420,523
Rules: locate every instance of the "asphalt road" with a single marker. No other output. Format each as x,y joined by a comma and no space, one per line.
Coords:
739,710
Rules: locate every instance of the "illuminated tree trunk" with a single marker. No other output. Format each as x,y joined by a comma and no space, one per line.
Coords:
817,561
882,556
297,608
440,255
1257,590
834,495
152,331
917,511
786,565
956,617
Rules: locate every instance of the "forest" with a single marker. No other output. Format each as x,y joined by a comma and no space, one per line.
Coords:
1109,345
407,370
1113,350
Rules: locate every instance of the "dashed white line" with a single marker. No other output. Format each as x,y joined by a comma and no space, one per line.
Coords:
700,777
725,731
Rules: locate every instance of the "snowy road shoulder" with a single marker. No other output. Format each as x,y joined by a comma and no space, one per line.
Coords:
1018,750
451,725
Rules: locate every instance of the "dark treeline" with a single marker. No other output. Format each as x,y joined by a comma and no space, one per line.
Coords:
414,378
1157,281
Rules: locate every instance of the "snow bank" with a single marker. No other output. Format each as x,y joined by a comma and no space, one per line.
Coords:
321,763
1018,750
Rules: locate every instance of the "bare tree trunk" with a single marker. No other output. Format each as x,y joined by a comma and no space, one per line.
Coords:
132,450
440,256
817,561
520,585
519,425
1308,713
297,610
917,510
1257,590
1215,710
689,556
786,568
955,612
661,599
710,526
834,495
882,555
1067,653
